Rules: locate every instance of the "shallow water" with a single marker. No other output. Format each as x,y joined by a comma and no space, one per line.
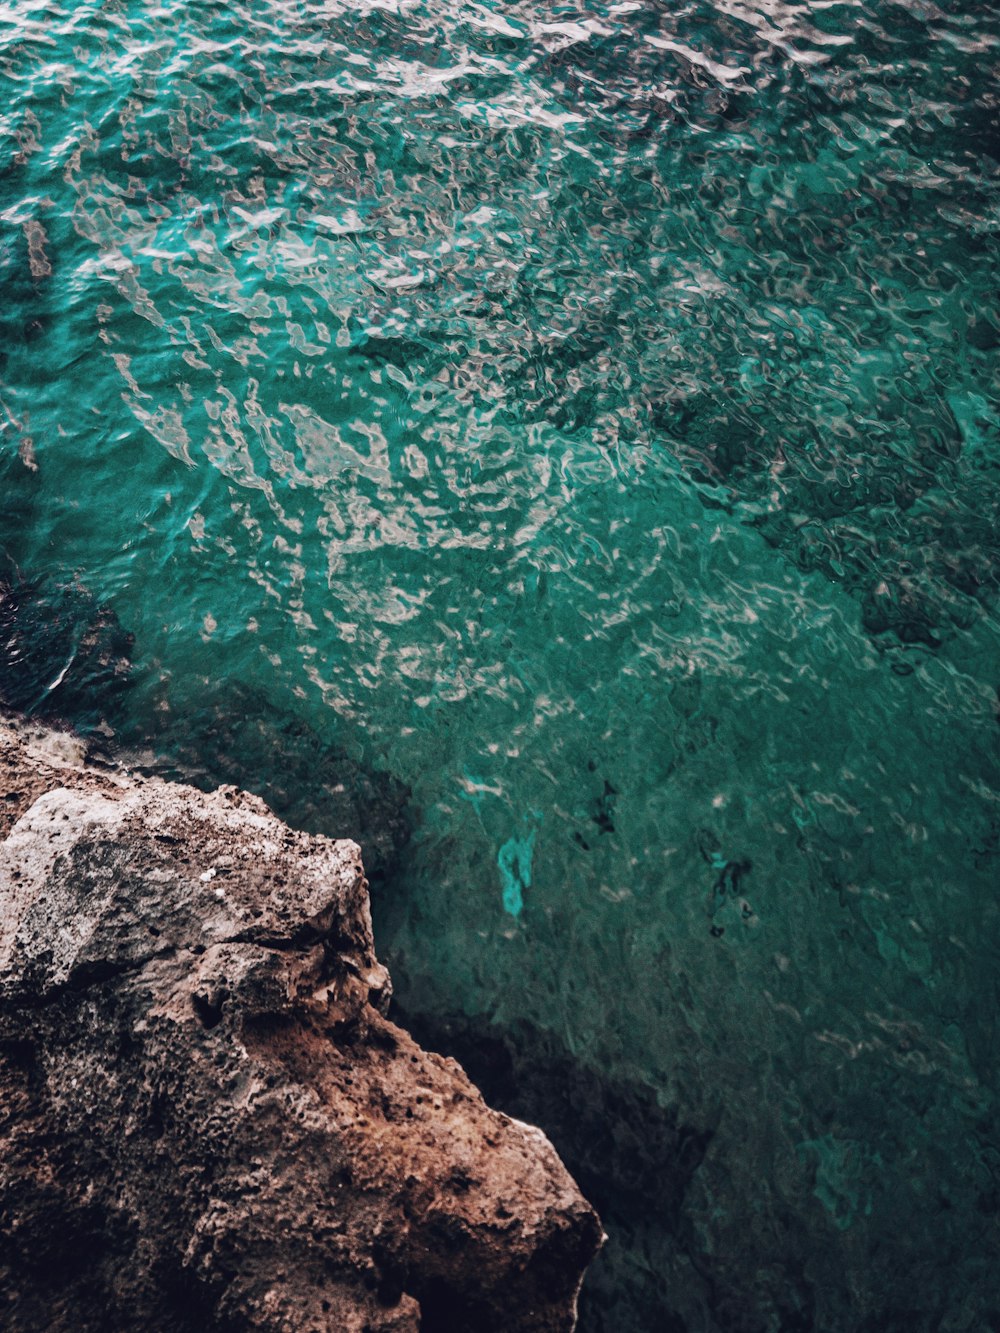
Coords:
568,439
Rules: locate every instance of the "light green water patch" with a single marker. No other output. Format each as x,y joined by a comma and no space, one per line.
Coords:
514,860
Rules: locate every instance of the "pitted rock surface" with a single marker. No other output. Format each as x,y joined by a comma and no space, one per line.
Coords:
206,1120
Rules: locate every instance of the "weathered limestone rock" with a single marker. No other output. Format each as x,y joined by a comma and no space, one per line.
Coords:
206,1121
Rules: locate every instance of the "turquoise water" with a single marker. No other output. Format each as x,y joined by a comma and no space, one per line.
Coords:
560,447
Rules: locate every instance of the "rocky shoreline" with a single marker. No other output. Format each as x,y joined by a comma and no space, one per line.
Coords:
206,1120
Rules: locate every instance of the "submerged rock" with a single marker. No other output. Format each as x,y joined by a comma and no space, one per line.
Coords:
206,1121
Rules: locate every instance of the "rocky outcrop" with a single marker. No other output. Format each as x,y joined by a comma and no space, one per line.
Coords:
206,1120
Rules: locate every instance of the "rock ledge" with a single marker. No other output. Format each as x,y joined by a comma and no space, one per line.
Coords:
206,1120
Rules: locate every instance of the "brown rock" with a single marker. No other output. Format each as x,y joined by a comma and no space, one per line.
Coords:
206,1121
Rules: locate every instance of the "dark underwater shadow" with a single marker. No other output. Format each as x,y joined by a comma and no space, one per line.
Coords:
64,655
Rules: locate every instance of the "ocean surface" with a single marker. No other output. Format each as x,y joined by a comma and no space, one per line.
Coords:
559,446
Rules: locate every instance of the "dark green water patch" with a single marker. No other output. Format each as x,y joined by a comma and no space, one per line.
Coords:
61,654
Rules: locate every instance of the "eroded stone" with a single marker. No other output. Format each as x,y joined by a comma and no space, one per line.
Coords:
206,1120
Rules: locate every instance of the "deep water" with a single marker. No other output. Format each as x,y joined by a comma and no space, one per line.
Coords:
559,447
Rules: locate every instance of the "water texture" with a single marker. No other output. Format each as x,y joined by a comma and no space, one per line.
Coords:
578,428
